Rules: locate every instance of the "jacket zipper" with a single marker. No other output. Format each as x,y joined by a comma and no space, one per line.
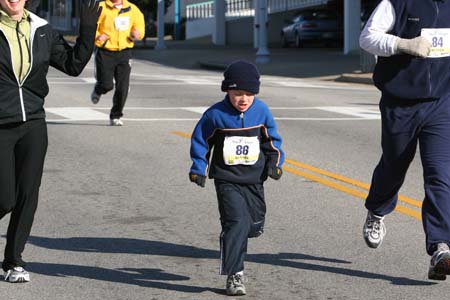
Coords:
242,119
22,106
30,60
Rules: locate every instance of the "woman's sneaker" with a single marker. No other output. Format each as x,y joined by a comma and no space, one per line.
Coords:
374,230
440,263
17,274
235,284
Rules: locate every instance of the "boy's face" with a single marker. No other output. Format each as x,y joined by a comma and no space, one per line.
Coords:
241,100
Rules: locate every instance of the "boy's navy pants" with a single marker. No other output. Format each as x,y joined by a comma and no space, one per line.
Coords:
242,211
406,123
22,152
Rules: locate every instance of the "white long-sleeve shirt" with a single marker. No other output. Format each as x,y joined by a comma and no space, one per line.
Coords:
374,37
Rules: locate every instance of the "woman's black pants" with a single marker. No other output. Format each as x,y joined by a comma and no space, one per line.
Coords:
22,152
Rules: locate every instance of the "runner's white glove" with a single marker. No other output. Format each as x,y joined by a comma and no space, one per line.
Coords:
418,46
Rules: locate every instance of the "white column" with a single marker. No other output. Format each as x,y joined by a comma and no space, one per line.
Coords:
160,44
262,55
256,25
352,25
219,16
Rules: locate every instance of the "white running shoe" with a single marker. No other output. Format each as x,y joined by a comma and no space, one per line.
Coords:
235,284
116,122
440,263
17,274
374,230
95,97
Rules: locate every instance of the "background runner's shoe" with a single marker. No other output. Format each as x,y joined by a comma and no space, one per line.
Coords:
440,263
235,285
95,97
374,230
17,274
116,122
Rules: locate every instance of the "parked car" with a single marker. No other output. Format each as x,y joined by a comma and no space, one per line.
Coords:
313,25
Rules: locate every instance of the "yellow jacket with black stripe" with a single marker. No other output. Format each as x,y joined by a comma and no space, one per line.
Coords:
118,24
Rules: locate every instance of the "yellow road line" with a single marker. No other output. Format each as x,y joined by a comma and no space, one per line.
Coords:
402,209
348,180
182,134
347,190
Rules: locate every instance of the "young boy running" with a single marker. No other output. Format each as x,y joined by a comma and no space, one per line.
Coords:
242,137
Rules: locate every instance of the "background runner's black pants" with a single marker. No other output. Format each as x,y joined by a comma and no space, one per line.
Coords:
110,67
22,152
242,213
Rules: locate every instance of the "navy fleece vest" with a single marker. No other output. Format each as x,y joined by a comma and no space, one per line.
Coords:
406,76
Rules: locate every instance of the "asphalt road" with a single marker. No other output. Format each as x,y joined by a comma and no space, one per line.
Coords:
118,218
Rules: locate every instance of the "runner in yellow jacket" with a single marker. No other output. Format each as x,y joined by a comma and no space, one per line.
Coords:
119,25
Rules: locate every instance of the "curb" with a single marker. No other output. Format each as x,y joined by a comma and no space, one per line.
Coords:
213,65
365,78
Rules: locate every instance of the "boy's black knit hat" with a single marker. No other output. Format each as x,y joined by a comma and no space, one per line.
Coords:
241,75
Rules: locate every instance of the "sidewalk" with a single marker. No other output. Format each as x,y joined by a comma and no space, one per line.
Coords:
309,62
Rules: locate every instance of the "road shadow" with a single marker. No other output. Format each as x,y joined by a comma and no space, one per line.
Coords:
145,247
150,278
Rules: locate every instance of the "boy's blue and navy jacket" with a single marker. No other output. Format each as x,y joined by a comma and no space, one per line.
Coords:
222,120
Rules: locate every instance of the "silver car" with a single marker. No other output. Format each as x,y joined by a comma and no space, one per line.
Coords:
313,25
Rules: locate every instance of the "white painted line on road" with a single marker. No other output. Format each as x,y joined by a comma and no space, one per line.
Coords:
353,111
199,109
124,119
77,114
167,79
89,79
320,86
134,83
320,119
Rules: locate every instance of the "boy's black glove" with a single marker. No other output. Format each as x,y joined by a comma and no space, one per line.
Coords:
274,172
90,11
197,179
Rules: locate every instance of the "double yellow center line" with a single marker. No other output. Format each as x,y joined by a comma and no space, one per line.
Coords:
352,187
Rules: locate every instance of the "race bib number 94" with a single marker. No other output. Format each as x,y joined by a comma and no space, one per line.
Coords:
241,150
439,39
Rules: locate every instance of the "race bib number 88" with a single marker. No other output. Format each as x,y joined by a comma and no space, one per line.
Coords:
241,150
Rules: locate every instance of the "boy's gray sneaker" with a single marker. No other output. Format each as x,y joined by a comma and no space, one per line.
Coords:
374,230
95,97
440,263
17,274
235,285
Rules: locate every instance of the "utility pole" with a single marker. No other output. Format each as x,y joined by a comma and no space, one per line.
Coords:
219,36
256,25
160,45
263,54
352,25
177,21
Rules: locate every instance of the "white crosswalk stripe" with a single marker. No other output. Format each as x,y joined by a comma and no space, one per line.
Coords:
214,80
77,114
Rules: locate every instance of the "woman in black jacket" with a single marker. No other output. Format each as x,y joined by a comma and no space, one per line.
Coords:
28,46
